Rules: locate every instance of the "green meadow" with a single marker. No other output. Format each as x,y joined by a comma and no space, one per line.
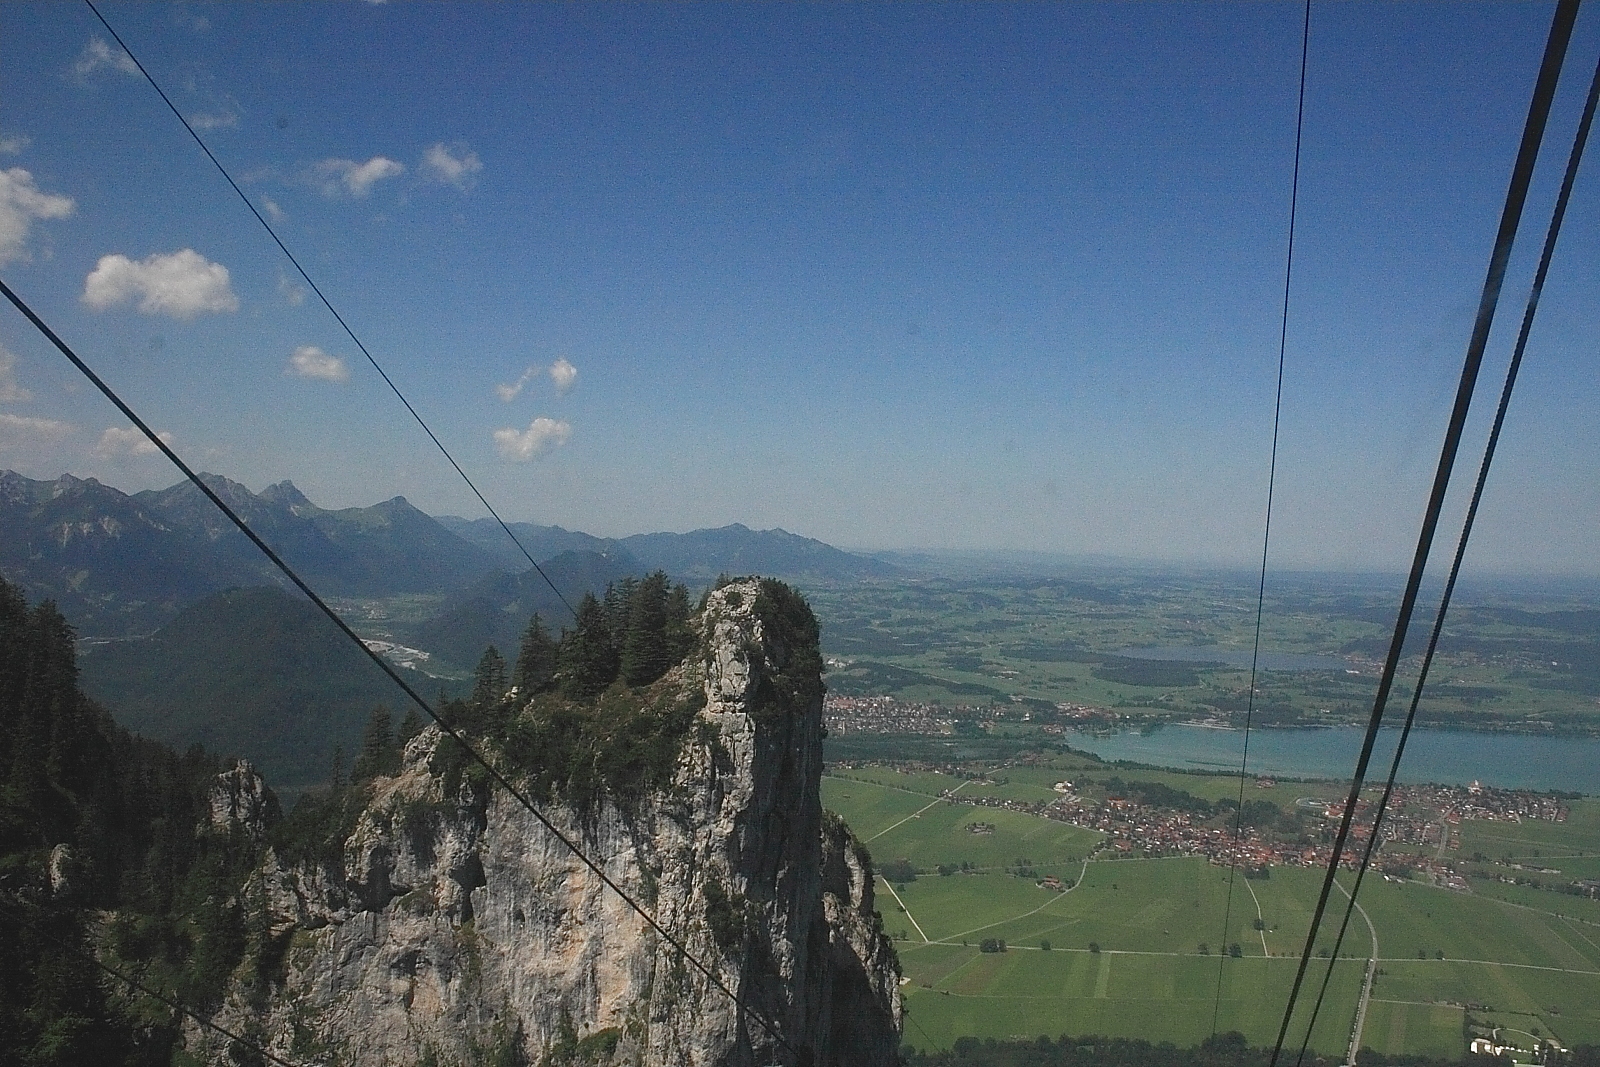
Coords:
1138,947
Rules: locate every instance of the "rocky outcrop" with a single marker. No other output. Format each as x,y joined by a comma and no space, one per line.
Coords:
460,929
241,798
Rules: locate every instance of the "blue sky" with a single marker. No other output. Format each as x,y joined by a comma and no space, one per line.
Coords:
969,276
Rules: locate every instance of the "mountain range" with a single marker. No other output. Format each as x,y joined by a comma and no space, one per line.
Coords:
119,565
695,557
190,635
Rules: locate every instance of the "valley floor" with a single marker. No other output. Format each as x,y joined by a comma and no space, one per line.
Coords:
1137,947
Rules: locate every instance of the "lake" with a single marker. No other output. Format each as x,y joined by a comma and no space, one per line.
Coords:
1510,761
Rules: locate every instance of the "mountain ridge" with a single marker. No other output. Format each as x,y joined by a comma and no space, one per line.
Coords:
122,564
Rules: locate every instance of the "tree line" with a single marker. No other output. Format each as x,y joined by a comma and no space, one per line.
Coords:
635,633
575,716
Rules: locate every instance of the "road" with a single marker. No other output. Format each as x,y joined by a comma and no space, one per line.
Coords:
885,883
1259,917
936,802
1366,983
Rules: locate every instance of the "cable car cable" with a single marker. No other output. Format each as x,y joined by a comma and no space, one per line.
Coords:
331,309
1516,197
383,664
1580,139
1266,533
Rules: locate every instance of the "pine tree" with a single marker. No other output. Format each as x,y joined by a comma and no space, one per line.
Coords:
587,657
410,727
680,636
489,680
378,755
336,776
645,655
618,602
536,661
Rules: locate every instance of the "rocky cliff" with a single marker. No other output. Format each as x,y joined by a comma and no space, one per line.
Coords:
457,929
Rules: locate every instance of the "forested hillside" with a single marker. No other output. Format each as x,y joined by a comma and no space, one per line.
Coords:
95,819
258,673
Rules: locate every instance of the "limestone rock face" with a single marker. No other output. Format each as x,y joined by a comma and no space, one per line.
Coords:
459,929
240,798
61,870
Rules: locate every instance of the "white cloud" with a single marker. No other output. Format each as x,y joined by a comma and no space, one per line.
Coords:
333,176
460,170
224,118
182,284
309,361
293,293
523,445
20,203
10,391
276,212
21,429
97,54
130,442
508,393
10,146
564,374
215,109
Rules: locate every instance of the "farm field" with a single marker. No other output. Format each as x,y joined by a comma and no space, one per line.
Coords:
1177,646
1136,947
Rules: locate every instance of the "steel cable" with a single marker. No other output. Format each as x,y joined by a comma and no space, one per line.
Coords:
1580,139
315,288
1516,197
1266,534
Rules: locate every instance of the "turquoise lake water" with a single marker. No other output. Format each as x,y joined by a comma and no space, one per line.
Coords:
1512,761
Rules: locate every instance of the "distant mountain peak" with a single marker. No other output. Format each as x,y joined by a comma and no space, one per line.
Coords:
737,549
67,482
14,487
222,485
287,494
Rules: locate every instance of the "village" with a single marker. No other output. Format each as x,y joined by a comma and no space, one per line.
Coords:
888,715
1421,824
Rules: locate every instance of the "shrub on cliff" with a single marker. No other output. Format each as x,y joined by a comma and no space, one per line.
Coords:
791,629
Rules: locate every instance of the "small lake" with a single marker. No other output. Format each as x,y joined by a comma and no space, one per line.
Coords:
1510,761
1234,657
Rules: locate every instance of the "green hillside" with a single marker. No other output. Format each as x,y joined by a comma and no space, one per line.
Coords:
257,673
